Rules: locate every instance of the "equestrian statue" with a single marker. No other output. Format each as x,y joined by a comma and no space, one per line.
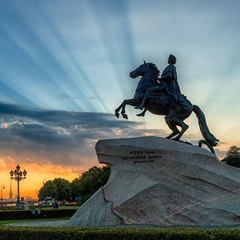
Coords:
162,96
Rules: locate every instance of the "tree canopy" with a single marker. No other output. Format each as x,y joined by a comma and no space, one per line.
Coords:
90,181
233,156
59,189
80,188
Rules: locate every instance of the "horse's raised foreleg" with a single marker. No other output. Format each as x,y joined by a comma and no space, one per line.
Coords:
133,102
117,110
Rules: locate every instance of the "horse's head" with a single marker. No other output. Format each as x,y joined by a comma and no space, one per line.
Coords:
139,71
149,70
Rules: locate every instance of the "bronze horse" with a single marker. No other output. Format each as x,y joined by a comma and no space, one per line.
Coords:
161,105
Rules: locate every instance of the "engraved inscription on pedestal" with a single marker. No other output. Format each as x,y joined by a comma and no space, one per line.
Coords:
142,156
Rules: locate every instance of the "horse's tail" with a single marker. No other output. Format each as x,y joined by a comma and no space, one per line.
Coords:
208,136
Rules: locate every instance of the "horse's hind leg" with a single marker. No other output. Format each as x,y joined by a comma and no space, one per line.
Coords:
183,126
172,126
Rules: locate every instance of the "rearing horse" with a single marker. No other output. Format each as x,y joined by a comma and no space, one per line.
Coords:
161,105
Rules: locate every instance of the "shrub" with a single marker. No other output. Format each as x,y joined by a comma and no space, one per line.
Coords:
45,233
31,214
72,233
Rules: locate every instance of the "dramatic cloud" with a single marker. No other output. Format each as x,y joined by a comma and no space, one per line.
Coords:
63,138
59,137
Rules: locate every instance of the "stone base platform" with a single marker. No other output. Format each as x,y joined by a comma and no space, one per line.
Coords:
160,182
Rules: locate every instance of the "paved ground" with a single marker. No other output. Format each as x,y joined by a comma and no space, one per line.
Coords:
63,223
53,223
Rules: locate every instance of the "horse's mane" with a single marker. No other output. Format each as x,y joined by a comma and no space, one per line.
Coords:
155,68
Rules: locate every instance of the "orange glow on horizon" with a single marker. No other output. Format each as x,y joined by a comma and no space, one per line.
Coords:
37,173
36,176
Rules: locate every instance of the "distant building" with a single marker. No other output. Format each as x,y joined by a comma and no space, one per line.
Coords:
11,193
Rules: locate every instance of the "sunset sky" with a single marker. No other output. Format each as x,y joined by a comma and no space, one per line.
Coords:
65,67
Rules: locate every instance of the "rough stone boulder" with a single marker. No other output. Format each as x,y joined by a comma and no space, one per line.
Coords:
155,181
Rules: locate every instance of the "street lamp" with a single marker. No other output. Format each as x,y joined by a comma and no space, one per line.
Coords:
2,187
18,176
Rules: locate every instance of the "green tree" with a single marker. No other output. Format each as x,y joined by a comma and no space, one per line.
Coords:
233,151
49,189
76,188
233,156
59,189
84,186
63,189
89,182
